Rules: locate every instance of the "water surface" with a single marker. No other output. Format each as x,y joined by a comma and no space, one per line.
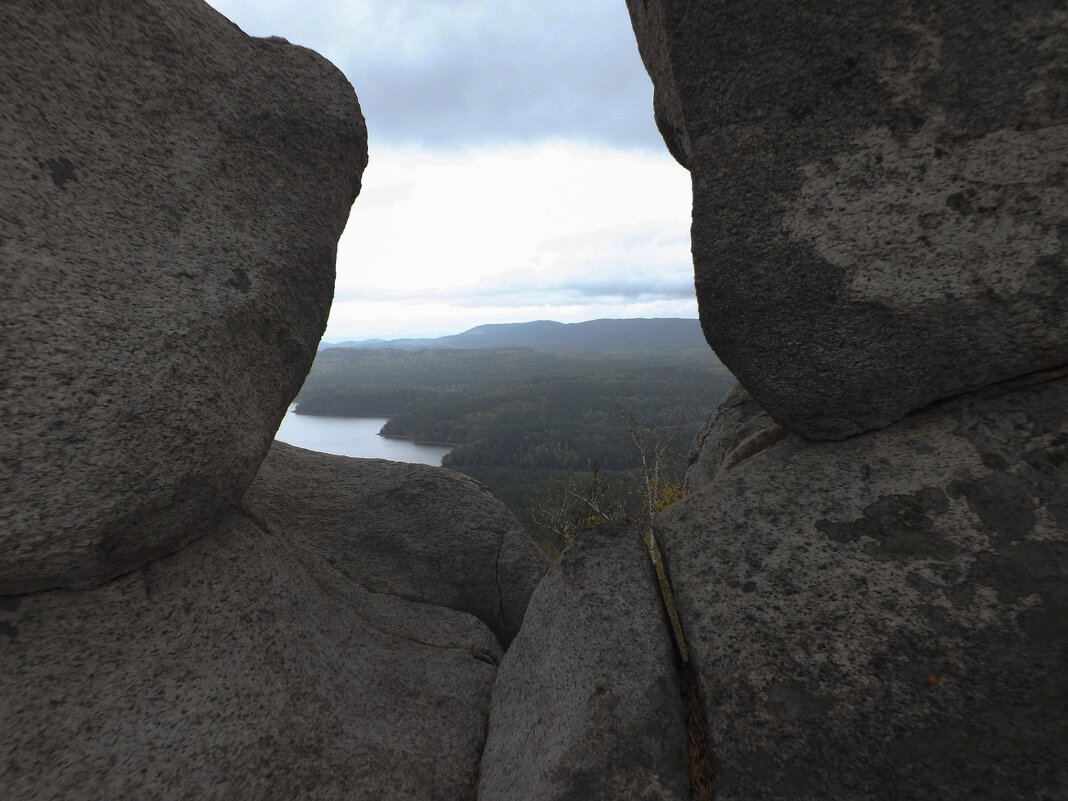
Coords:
354,436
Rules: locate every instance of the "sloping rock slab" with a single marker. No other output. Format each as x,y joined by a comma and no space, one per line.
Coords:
884,617
170,203
243,666
587,703
880,213
410,530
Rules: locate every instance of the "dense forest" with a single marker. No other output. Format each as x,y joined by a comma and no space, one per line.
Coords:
522,420
386,381
562,421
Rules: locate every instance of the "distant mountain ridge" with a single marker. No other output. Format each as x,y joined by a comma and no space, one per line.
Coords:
592,336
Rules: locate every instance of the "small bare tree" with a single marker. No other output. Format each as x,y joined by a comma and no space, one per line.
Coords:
580,504
577,506
657,447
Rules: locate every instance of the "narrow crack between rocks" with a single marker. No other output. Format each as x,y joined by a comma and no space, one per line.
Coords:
701,769
500,593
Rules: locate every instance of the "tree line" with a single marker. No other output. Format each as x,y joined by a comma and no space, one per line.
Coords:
529,424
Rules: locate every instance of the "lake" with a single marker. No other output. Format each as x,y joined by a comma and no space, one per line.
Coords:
354,436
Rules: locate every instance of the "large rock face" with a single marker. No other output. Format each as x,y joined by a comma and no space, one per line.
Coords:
587,702
880,207
408,530
172,194
884,617
253,663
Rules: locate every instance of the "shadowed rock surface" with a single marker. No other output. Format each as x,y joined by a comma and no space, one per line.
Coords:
878,224
880,208
882,617
247,665
587,702
170,203
879,230
408,530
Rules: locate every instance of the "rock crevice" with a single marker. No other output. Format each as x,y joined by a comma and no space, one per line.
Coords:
587,702
870,561
870,564
878,198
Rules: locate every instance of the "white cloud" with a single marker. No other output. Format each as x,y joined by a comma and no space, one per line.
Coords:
553,227
475,71
515,171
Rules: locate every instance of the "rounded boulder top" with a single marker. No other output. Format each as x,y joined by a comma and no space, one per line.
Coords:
880,212
172,195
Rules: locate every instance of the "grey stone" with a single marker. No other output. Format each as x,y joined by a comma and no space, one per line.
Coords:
737,429
410,530
587,702
883,617
243,666
880,210
170,202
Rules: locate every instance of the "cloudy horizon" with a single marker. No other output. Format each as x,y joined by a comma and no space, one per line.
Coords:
515,170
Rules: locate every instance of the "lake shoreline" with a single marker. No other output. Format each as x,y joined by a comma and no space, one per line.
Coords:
420,441
296,410
357,436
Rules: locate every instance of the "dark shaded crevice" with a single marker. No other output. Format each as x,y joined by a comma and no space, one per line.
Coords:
476,777
985,392
1010,385
701,767
497,583
767,437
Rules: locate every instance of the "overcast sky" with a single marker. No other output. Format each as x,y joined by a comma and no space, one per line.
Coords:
515,174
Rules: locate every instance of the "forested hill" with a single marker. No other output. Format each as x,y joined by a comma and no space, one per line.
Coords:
514,407
520,418
676,335
356,382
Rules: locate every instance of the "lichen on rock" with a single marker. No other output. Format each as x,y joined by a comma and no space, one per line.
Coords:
883,617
